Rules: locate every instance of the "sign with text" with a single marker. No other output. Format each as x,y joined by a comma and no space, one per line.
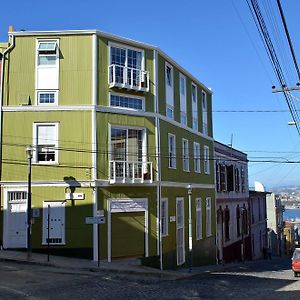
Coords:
95,220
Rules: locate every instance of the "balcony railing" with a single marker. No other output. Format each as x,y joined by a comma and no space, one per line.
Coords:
128,78
130,172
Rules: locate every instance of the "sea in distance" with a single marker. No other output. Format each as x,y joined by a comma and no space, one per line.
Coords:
291,215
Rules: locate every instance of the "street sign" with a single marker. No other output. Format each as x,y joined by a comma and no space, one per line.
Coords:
95,220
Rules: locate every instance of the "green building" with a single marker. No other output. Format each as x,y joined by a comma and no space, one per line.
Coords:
118,132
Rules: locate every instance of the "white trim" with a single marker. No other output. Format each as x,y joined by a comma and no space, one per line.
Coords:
138,204
118,39
199,235
195,144
166,217
208,208
206,159
42,183
178,199
94,99
105,109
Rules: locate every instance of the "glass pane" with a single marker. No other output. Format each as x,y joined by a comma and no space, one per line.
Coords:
47,46
118,144
117,56
135,145
47,59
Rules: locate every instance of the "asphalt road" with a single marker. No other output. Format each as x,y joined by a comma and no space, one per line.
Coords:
255,280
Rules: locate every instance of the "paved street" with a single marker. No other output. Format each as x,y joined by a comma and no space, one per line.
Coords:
253,280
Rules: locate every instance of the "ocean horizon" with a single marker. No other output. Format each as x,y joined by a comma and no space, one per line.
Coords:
291,215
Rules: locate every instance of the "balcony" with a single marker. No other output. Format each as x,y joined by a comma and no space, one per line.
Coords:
128,78
130,172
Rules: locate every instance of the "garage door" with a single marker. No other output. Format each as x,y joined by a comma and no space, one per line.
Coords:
128,234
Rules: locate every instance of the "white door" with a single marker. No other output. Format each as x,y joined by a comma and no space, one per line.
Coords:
180,231
56,210
16,220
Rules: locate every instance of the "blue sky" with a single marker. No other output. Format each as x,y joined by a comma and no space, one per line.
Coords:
216,41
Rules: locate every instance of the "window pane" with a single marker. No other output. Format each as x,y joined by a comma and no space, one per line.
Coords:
127,102
47,46
47,59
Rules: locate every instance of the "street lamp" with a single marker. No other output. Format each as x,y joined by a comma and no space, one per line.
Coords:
29,151
189,187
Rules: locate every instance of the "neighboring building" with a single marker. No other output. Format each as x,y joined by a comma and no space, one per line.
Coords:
275,223
233,240
258,223
291,236
118,129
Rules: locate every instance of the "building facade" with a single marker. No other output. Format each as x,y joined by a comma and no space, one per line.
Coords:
233,239
119,130
275,224
258,228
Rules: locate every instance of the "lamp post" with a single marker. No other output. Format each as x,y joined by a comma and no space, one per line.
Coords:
29,151
190,227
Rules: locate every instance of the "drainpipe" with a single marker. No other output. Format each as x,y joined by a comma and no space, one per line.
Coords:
158,161
94,145
12,38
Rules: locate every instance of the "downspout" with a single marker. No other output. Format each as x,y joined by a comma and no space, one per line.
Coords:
11,36
158,159
94,145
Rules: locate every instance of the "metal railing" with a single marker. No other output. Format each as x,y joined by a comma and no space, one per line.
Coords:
129,78
130,172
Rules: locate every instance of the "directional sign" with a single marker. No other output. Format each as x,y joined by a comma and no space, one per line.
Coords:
95,220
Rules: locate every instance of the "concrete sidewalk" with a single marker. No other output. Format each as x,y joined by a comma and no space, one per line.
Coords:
125,266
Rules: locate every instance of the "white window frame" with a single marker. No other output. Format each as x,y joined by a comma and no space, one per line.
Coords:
164,217
126,96
180,227
182,95
39,53
185,155
169,91
208,217
35,144
171,158
204,112
55,92
199,219
206,160
194,106
197,158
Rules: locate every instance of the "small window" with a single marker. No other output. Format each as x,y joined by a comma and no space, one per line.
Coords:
183,119
47,97
127,102
197,167
208,217
170,112
47,52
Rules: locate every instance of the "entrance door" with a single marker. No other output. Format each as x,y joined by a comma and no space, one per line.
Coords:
56,212
128,234
16,220
180,231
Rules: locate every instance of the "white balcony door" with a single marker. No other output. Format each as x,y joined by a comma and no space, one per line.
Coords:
180,231
127,150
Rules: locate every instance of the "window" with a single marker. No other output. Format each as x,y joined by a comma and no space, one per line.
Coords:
170,112
238,223
243,180
164,217
206,160
45,143
185,155
47,52
180,231
172,151
126,102
169,75
197,166
169,91
208,216
237,179
194,107
218,177
230,178
223,178
47,97
126,65
182,91
204,113
227,220
198,219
